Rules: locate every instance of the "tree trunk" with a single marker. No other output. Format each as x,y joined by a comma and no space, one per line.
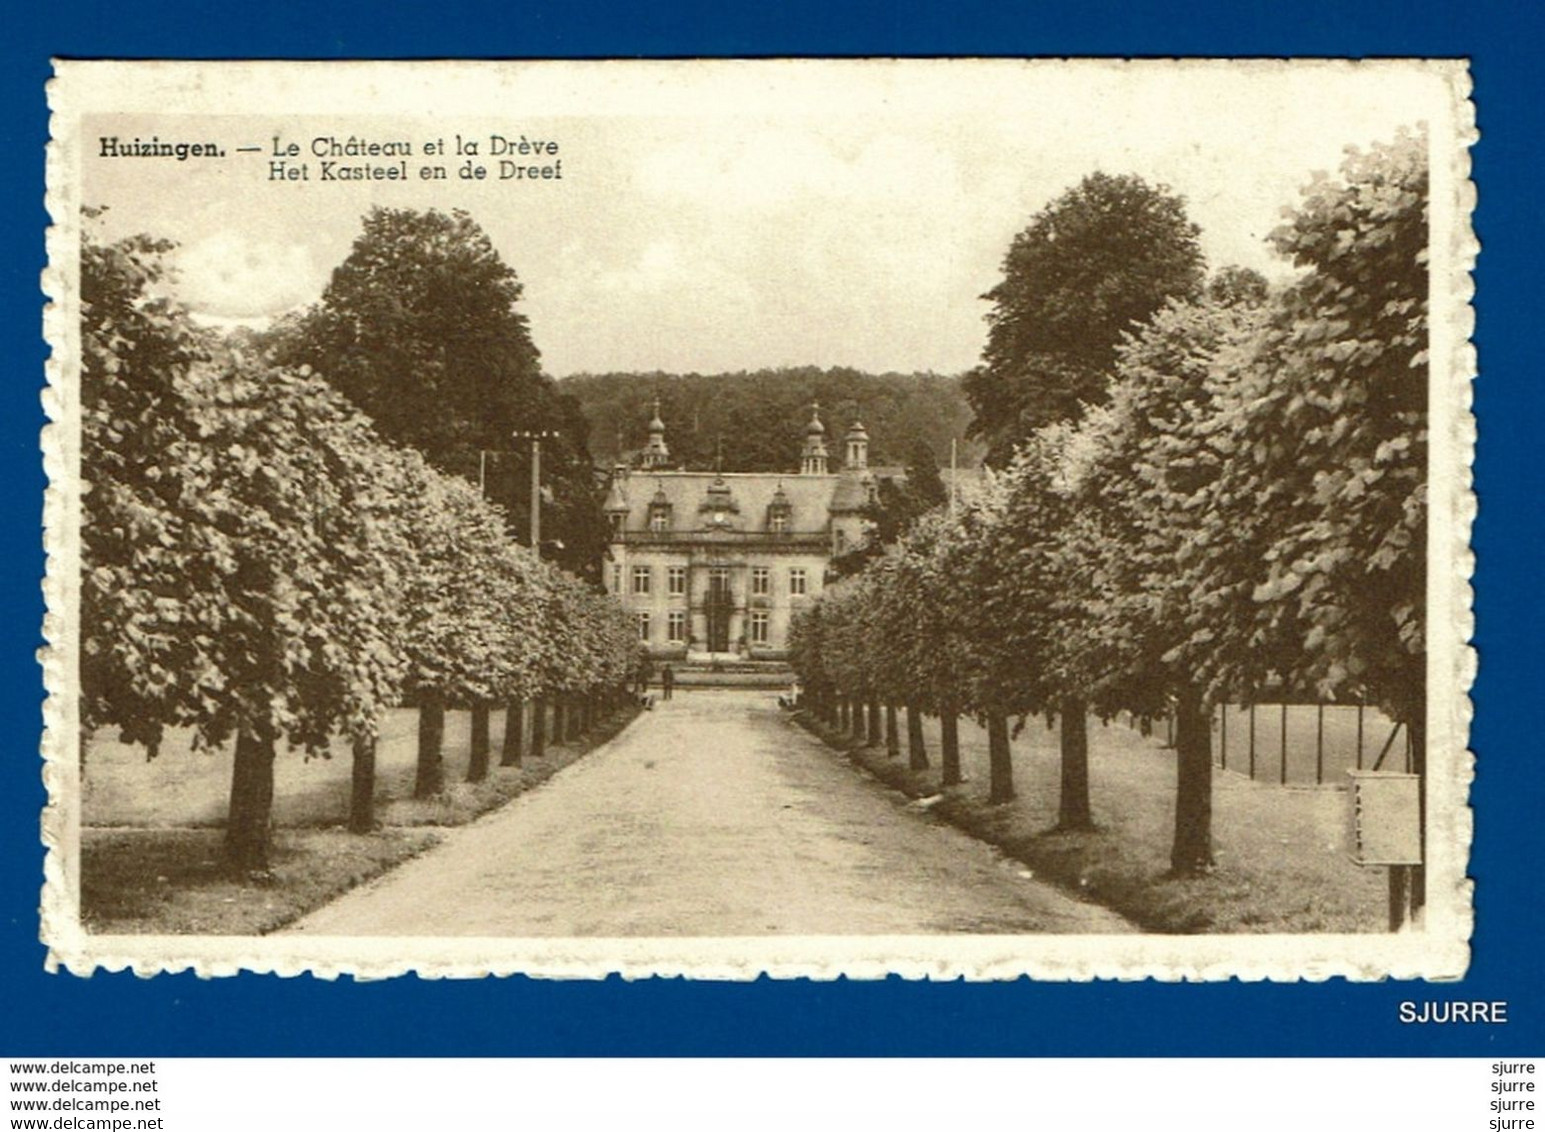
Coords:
538,727
559,720
1000,759
949,744
1192,853
1073,812
571,718
514,722
917,751
362,795
860,731
874,721
477,760
892,735
431,740
248,822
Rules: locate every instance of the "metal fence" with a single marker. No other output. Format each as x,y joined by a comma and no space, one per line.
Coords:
1302,744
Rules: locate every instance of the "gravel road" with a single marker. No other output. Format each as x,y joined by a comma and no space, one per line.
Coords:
713,815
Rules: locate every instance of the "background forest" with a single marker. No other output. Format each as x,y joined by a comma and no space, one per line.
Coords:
761,415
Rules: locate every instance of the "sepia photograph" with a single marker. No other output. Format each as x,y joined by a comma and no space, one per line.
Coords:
948,518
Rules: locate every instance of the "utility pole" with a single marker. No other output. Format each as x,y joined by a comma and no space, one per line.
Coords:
536,437
954,475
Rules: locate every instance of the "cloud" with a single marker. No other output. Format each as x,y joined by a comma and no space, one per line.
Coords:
229,276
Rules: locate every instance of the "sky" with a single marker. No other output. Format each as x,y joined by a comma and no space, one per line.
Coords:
717,225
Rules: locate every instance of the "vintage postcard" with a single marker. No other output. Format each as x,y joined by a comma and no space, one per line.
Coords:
947,518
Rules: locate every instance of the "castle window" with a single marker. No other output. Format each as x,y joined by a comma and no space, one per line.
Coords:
759,627
797,582
761,581
676,580
779,522
643,627
616,518
616,577
676,626
641,579
659,511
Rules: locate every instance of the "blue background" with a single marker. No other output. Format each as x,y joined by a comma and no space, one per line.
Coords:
47,1015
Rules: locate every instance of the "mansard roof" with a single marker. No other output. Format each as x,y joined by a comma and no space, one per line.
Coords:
809,498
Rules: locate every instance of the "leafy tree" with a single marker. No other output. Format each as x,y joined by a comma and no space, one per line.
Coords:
1049,601
472,608
419,328
1330,427
257,563
938,651
1344,430
140,444
1155,455
989,627
1090,266
227,508
758,418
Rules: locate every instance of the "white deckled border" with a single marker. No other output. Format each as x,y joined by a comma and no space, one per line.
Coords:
1438,950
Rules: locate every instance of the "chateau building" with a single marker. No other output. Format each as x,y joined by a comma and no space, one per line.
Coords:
715,565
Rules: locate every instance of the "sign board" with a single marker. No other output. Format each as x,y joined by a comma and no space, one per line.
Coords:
1384,818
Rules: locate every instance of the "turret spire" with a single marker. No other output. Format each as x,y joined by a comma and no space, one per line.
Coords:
813,459
857,446
656,454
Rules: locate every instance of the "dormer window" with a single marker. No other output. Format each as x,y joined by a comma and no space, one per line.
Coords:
779,513
659,511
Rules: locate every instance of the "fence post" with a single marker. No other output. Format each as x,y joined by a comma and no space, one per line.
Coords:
1282,779
1399,896
1359,736
1319,745
1252,740
1223,731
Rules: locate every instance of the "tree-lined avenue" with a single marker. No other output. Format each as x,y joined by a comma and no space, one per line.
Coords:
712,815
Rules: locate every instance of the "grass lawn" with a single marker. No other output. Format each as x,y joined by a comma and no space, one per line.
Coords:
152,830
1280,860
165,881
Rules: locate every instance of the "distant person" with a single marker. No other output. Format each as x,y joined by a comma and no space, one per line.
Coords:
645,671
667,681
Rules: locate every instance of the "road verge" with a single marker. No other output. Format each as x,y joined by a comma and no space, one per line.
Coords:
1280,865
164,881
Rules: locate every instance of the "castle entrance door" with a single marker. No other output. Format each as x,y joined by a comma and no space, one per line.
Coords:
719,604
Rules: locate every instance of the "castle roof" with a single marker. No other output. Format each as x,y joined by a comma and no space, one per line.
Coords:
690,493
